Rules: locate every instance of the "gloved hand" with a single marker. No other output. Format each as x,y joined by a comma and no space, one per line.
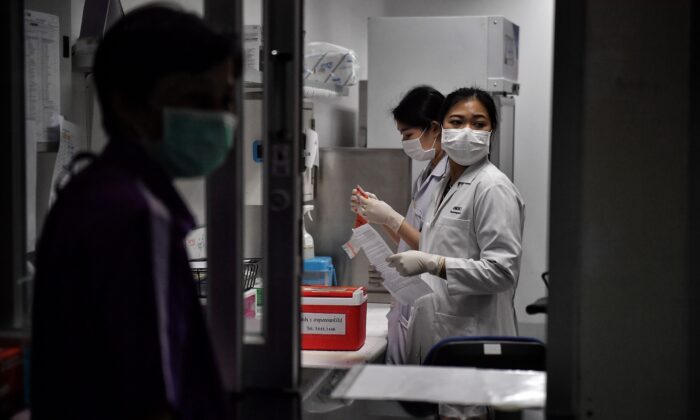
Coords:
375,277
355,199
411,263
376,211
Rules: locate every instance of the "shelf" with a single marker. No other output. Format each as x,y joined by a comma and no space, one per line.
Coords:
252,76
253,83
314,89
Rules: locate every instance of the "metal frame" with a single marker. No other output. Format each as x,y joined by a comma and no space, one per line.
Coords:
565,262
623,313
268,370
224,201
694,209
12,177
274,364
502,153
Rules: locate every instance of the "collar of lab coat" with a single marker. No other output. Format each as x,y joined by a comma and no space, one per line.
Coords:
472,171
439,171
441,168
467,177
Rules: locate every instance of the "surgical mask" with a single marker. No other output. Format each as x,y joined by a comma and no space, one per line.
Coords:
415,150
195,142
464,145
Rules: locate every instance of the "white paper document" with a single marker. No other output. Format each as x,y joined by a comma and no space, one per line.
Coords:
42,72
514,389
404,289
42,97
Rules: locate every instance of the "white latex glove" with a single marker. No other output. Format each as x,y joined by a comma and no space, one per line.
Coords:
411,263
378,212
355,200
375,277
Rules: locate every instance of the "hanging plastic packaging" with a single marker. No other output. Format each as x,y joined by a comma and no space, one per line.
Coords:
330,64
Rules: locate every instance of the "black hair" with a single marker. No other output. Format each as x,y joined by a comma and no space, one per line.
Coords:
467,94
419,107
149,43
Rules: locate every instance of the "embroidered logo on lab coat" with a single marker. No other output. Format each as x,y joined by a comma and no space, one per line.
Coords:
456,210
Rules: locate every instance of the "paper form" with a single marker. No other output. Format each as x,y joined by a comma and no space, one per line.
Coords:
404,289
42,97
42,72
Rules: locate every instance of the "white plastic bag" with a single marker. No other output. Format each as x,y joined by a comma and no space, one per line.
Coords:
330,64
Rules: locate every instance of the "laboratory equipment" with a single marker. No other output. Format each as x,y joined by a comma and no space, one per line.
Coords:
250,272
341,170
253,153
333,318
308,251
98,17
251,266
310,163
480,51
319,271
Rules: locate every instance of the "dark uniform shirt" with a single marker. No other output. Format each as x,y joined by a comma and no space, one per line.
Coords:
118,331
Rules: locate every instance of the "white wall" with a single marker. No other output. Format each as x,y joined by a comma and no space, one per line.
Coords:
344,22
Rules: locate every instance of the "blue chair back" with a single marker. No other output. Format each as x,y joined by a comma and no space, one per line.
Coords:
489,353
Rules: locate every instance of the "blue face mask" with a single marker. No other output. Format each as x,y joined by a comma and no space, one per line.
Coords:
195,142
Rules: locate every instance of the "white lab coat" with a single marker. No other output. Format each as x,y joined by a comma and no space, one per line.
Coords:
478,228
423,191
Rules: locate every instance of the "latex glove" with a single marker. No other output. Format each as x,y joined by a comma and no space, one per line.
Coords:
411,263
355,199
378,212
375,277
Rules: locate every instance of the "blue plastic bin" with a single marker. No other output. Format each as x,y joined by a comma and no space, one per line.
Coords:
319,271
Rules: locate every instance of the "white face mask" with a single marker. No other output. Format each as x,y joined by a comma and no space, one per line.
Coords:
464,145
415,150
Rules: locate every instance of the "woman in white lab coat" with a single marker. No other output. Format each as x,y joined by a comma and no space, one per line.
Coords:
470,245
417,119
